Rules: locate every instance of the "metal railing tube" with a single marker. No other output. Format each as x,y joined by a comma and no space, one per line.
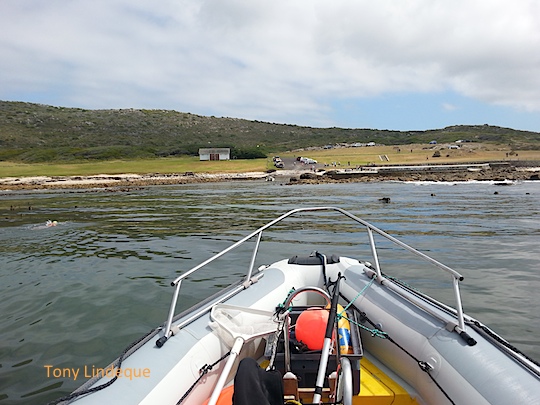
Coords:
286,339
400,243
160,342
240,242
197,314
374,252
346,380
208,307
459,308
414,300
370,229
254,256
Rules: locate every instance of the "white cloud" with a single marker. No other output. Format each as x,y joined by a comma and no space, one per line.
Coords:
267,60
449,107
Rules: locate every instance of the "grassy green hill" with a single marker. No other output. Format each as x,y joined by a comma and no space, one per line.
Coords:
42,133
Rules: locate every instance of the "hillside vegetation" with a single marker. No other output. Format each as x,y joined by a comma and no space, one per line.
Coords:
41,133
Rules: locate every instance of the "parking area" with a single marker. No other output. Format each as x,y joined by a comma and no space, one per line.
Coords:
291,163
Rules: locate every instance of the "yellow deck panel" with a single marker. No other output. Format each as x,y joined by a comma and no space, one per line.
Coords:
376,388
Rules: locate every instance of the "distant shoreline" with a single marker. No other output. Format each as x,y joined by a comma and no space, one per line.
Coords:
105,181
120,182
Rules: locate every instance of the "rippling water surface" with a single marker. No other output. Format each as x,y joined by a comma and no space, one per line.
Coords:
77,294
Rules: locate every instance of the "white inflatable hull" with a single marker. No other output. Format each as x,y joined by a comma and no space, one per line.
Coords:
421,345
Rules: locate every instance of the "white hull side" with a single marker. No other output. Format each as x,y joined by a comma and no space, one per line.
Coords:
479,374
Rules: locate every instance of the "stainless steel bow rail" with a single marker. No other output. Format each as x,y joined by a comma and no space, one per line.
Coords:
456,277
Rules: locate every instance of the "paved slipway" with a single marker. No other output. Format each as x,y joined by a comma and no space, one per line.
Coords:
298,175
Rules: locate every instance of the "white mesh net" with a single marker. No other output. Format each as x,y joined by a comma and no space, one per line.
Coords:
246,323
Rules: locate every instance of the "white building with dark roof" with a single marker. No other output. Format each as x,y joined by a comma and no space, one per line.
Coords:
214,154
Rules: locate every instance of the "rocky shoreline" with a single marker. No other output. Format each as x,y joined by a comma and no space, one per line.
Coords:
505,174
124,182
120,181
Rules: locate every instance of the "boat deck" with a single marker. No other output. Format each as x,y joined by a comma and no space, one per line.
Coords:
376,388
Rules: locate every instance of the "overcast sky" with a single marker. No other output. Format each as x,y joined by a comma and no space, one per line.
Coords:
385,64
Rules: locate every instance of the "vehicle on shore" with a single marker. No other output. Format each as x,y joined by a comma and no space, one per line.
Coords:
306,160
278,163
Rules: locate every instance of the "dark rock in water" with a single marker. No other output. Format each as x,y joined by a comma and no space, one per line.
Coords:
496,192
535,177
293,179
385,199
308,176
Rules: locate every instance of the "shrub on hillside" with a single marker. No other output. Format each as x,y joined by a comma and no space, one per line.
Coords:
247,153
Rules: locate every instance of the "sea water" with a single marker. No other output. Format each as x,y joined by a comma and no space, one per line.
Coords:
74,295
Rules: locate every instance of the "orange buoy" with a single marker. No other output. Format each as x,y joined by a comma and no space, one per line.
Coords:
311,327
